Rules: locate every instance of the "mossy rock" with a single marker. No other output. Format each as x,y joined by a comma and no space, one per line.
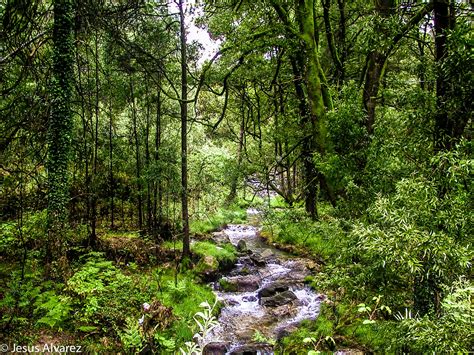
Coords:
227,286
207,267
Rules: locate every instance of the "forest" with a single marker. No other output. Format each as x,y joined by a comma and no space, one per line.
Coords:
236,176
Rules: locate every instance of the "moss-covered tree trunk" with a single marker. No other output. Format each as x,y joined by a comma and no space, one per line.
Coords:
315,120
59,133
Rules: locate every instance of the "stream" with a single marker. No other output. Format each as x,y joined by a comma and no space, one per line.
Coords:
263,294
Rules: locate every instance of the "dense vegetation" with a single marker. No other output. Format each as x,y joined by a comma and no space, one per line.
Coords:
348,123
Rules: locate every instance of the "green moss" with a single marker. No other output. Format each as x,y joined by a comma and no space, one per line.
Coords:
224,254
227,286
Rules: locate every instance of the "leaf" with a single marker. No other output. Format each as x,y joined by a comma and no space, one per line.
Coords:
87,328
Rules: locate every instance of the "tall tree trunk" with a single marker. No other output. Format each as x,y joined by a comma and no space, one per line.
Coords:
111,167
137,154
448,128
341,36
184,134
237,174
315,123
59,133
147,159
85,149
93,236
332,42
158,196
310,187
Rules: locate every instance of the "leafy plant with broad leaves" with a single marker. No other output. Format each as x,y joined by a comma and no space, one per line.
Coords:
205,321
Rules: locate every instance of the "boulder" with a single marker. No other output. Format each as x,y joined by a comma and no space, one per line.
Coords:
242,283
266,253
221,238
207,268
261,258
253,349
216,348
242,246
278,300
272,289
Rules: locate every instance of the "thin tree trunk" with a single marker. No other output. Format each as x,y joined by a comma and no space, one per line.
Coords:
111,166
137,155
147,160
158,195
93,235
184,135
236,176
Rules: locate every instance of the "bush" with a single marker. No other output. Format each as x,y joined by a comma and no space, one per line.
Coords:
104,295
451,332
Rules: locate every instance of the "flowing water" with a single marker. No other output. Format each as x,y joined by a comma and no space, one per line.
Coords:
268,295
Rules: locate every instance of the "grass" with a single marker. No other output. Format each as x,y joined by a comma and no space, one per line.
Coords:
208,223
292,227
121,234
223,254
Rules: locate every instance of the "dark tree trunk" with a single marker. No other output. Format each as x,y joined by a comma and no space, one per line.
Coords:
111,167
93,234
184,135
448,127
137,155
374,72
237,174
147,160
332,42
59,133
157,207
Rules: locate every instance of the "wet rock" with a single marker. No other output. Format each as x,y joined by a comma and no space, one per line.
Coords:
231,302
207,268
242,283
284,311
286,330
260,259
221,238
242,246
216,348
250,298
272,289
279,299
253,349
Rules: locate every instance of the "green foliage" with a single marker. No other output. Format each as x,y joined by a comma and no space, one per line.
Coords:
404,239
93,283
208,223
206,321
448,333
131,338
55,308
260,338
292,226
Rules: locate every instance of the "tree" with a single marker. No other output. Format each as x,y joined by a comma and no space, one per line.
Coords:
59,131
184,132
